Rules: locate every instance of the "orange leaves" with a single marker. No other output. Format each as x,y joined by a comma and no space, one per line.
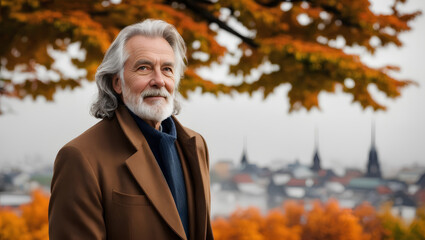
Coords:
246,224
12,227
47,16
331,222
370,221
193,81
35,214
276,227
84,27
30,224
325,221
293,212
249,224
308,52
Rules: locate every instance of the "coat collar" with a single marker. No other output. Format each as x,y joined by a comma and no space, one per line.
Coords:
145,169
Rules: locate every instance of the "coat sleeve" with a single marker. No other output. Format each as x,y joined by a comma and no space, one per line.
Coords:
75,207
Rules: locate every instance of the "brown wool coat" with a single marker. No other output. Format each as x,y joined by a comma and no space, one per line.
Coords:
108,185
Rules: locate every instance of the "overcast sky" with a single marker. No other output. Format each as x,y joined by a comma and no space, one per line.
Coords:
31,132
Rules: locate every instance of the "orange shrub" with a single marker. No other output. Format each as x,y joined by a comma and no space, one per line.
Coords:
30,222
293,212
332,223
35,215
250,224
291,222
275,227
12,227
371,222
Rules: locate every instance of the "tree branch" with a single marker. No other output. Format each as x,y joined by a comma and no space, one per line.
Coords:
333,10
198,10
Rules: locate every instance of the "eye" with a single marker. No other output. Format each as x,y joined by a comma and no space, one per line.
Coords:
168,71
143,68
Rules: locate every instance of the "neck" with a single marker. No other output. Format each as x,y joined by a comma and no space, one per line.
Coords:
153,123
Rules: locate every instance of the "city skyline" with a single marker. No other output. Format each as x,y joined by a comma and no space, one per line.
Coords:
39,128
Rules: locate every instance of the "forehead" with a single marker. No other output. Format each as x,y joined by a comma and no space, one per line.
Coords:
157,48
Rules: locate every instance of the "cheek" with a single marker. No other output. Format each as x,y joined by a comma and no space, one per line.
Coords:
169,85
137,85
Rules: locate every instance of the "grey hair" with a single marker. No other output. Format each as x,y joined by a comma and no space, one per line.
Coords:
113,63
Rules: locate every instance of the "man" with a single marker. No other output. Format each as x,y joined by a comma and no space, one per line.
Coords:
138,173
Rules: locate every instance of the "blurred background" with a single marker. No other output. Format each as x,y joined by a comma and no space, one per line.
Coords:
293,98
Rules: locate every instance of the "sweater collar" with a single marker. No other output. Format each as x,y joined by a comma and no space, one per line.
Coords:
168,128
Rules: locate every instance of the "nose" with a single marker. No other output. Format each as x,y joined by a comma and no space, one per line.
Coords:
157,79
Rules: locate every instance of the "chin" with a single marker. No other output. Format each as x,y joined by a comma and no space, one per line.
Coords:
158,111
149,109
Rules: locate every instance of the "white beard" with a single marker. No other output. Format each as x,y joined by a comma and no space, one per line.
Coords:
156,111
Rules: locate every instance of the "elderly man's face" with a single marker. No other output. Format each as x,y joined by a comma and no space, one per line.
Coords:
148,85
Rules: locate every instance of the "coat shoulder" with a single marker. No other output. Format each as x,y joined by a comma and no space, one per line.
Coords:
106,134
93,135
104,140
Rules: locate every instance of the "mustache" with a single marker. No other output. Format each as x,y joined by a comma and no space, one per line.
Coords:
155,93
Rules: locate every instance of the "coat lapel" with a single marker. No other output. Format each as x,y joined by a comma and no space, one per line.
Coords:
145,169
189,148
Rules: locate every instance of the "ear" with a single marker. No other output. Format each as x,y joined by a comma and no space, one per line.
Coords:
116,84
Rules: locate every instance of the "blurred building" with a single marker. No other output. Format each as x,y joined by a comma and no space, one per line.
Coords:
246,184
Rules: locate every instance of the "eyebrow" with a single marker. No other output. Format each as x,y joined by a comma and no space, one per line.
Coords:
168,64
144,61
141,62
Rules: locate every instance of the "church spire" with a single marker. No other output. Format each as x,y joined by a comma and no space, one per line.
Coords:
373,166
316,160
244,161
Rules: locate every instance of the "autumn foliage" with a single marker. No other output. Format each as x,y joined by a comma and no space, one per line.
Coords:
324,221
250,224
28,222
298,38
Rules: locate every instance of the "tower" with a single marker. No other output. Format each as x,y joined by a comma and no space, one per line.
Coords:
373,167
316,160
244,160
